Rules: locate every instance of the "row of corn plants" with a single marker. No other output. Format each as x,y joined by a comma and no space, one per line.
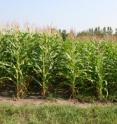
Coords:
68,68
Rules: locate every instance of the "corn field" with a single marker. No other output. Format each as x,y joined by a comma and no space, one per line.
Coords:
46,65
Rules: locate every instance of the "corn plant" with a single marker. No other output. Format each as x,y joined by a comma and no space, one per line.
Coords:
96,59
68,65
43,53
13,62
110,68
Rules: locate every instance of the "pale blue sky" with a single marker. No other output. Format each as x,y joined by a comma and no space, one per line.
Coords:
76,14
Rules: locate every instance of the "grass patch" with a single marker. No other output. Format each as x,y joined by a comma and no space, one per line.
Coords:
57,114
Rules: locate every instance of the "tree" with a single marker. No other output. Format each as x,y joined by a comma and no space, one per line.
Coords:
116,31
104,30
63,34
109,30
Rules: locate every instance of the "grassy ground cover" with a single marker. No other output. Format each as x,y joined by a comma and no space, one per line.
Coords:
57,114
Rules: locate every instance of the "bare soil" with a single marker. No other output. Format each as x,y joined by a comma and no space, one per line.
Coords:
52,101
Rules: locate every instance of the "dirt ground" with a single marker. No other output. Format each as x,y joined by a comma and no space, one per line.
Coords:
35,101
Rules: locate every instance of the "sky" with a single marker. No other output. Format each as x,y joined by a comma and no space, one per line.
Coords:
64,14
